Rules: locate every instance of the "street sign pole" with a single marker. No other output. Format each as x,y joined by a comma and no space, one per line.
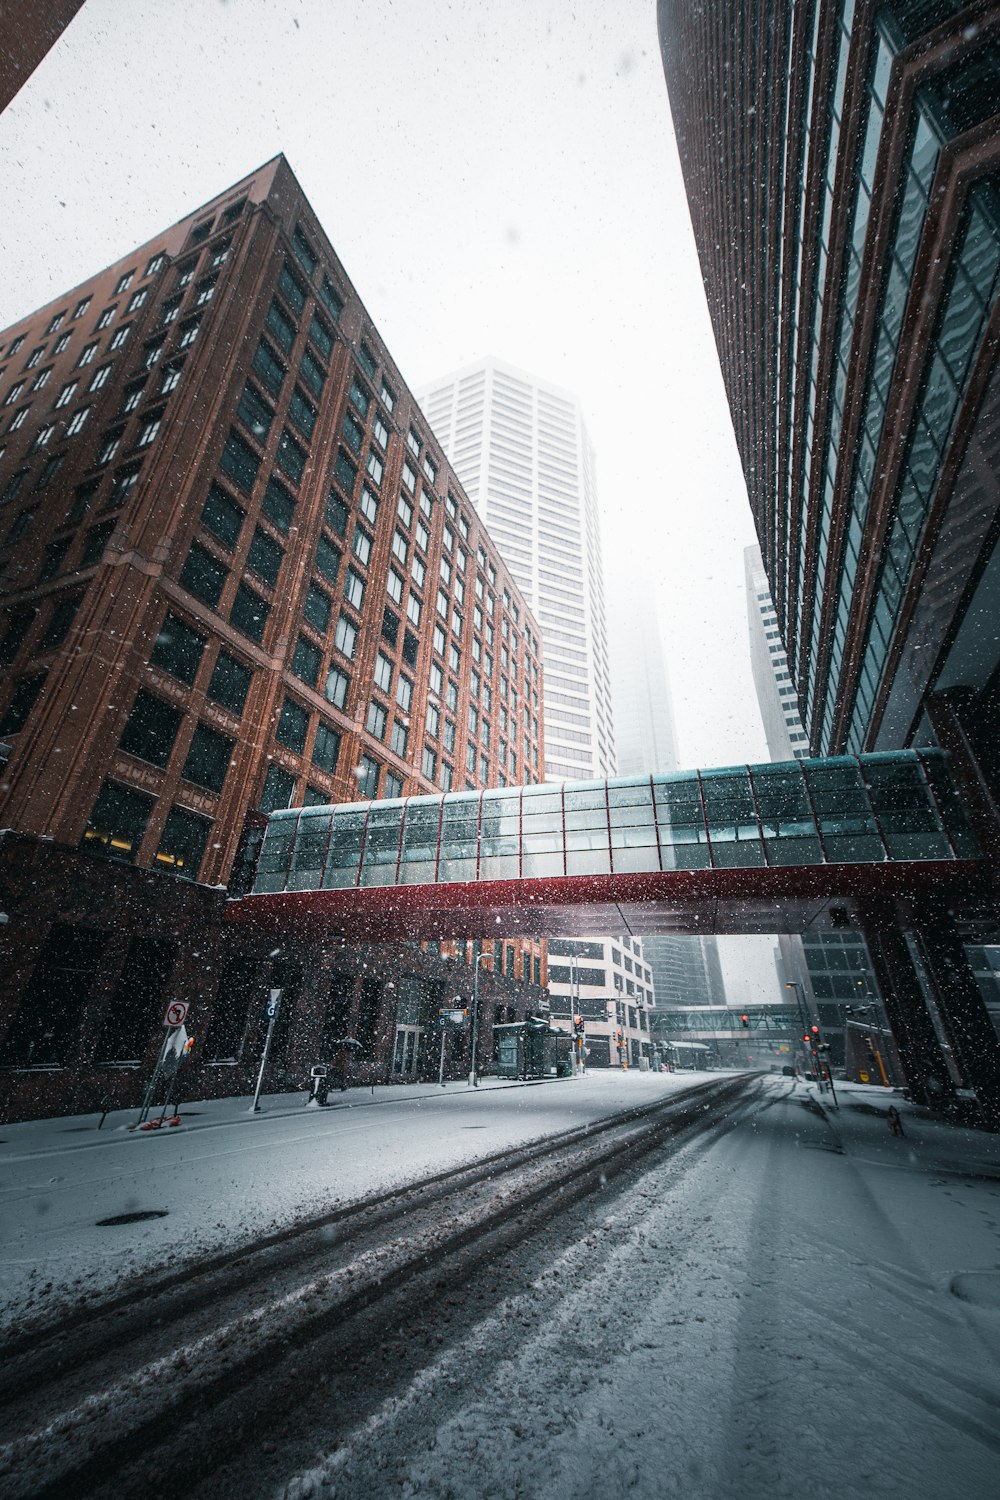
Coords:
441,1069
273,1007
154,1080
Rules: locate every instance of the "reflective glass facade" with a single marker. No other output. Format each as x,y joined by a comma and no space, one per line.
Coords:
855,314
843,810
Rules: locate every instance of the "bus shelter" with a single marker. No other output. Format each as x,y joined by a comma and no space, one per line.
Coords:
532,1049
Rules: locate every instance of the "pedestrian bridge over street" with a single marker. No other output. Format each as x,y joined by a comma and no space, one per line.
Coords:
769,848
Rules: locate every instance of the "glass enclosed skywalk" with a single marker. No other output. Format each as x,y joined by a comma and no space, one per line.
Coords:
844,810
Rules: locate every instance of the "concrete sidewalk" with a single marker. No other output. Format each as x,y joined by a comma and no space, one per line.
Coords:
70,1132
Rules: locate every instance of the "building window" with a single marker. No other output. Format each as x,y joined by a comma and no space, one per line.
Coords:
376,721
149,430
153,352
43,437
414,609
255,414
331,298
151,729
63,615
354,588
136,300
400,738
208,759
178,649
321,336
404,693
230,683
222,516
81,308
302,413
291,289
96,540
50,469
121,336
304,251
65,396
326,748
374,467
106,317
400,547
413,443
428,763
279,789
346,637
433,721
368,770
269,367
293,722
239,461
171,376
390,626
19,419
327,560
317,608
338,685
369,505
409,479
353,432
42,378
86,355
249,613
306,661
278,504
380,431
361,545
383,673
183,841
13,393
116,826
281,326
313,372
404,511
395,586
264,557
124,283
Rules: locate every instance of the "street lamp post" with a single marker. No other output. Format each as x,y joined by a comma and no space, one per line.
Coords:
473,1070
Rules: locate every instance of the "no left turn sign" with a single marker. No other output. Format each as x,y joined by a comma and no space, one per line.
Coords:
176,1013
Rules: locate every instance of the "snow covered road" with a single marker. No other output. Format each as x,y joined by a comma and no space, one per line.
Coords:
780,1299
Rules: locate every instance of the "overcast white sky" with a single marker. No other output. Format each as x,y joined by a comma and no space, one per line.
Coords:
497,178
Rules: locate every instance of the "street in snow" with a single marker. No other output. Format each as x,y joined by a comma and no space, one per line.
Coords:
791,1299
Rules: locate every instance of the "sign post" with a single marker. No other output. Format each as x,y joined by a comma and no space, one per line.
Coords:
272,1009
448,1020
170,1055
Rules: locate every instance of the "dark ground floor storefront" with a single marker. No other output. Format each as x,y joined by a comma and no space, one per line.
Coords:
91,954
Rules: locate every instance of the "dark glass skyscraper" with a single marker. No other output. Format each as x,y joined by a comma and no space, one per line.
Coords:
841,165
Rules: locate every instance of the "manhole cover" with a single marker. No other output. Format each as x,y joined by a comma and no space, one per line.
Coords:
133,1218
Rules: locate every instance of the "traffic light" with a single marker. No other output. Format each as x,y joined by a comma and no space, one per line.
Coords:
807,1039
578,1027
745,1021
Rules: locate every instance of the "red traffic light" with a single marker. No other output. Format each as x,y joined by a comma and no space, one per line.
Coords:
807,1037
814,1030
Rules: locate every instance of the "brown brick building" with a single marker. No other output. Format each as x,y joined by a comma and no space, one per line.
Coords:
236,573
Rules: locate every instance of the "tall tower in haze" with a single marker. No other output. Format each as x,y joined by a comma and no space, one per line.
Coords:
520,447
686,970
643,711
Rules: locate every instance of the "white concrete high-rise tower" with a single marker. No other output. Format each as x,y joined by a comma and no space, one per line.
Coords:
520,447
